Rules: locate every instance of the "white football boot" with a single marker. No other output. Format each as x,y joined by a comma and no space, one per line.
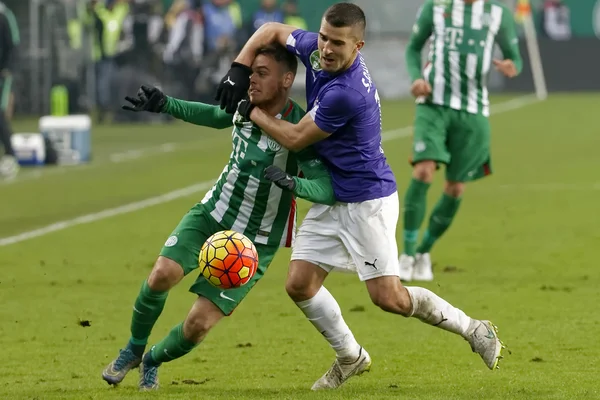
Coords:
483,338
9,167
423,270
343,369
407,265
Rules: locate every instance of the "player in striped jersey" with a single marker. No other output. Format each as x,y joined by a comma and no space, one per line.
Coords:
451,123
254,195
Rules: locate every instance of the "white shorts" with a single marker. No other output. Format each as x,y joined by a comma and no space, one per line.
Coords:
351,237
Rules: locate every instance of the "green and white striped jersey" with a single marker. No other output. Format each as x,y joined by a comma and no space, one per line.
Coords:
243,200
463,35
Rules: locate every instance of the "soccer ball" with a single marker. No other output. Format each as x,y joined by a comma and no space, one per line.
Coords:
228,259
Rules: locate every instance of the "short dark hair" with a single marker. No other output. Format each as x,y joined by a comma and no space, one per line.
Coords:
345,14
281,55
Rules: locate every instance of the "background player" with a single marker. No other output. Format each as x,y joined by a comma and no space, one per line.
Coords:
451,122
242,199
358,232
9,40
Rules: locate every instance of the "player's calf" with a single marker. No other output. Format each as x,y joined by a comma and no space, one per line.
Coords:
150,302
147,308
182,339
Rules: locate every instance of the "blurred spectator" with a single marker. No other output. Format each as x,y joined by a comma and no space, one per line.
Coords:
186,37
142,29
268,12
172,9
9,40
107,25
556,20
292,16
184,52
222,23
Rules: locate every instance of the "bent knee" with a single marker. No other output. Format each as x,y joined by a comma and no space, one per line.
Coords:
424,170
202,317
454,189
196,327
304,280
165,274
298,289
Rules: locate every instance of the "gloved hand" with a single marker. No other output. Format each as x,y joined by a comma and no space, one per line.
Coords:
280,178
234,87
245,108
149,99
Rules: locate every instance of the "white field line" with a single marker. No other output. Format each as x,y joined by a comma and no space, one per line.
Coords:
189,190
113,158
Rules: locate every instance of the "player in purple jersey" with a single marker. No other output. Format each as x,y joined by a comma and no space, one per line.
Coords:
357,233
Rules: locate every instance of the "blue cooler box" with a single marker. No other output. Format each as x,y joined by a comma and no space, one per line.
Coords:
70,135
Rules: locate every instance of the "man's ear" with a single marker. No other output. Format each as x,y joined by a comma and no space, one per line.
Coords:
288,80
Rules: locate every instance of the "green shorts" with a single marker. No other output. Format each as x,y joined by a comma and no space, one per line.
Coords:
459,139
183,247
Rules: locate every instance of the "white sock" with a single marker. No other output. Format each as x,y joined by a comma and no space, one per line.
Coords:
433,310
325,314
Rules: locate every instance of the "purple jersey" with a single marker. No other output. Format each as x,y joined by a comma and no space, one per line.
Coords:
347,106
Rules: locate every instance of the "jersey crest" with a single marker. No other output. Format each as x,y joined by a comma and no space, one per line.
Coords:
314,60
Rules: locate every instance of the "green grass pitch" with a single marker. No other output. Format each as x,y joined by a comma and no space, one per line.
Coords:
520,253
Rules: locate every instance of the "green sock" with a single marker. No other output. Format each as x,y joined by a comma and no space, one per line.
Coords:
415,203
148,306
173,346
441,217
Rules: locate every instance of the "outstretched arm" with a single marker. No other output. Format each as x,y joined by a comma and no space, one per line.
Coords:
198,113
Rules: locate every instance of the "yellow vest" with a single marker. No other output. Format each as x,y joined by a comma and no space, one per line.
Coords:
113,25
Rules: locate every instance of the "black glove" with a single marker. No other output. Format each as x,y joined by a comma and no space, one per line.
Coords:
245,108
280,178
234,87
148,99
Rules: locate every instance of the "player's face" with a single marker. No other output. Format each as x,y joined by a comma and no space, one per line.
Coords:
338,46
268,81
